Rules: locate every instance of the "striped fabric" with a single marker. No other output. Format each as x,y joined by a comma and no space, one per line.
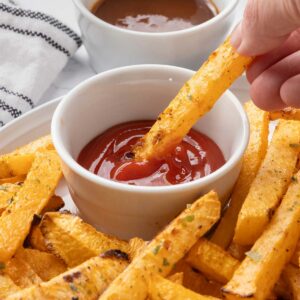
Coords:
34,47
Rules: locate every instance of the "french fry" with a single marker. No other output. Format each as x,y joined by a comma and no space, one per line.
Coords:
87,281
260,270
255,153
164,289
44,264
287,114
21,273
166,249
197,282
33,196
18,162
7,286
291,275
212,261
83,240
36,239
270,184
195,99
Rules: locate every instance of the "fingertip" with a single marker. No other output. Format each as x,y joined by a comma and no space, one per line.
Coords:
263,97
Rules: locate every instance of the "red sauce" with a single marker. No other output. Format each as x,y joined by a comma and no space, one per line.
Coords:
109,155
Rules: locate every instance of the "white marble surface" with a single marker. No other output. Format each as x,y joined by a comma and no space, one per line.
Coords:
78,67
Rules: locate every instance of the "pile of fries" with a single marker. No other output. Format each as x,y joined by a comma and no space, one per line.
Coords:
251,251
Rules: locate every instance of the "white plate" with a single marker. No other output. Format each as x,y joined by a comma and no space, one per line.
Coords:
37,123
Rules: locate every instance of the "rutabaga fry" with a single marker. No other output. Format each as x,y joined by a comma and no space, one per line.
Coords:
260,270
18,162
164,289
255,153
194,100
83,240
212,261
87,281
33,196
270,184
166,249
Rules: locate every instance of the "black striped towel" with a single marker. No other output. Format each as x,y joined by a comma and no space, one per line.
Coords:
34,48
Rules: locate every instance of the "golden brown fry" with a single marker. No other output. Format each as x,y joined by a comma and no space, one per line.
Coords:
55,204
18,162
270,183
176,278
287,114
44,264
164,289
7,286
83,241
255,153
87,281
194,100
33,196
36,239
291,276
260,270
21,272
212,261
166,249
196,281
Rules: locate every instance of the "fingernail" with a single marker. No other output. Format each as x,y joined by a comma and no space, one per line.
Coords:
236,37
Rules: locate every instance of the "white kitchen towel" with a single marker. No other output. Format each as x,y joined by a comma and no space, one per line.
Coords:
34,47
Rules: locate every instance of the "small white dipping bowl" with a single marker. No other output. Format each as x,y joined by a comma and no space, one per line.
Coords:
139,93
110,46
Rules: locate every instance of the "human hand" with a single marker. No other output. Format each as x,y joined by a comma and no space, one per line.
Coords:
270,30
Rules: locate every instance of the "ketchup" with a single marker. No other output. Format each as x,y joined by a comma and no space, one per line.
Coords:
110,155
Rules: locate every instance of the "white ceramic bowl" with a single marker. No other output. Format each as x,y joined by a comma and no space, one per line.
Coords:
137,93
109,46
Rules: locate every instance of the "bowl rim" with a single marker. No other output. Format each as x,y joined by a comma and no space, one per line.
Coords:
89,176
226,11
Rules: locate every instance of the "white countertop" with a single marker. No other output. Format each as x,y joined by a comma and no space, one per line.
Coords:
78,67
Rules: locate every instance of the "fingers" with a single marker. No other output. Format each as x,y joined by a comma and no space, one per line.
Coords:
275,88
266,25
264,62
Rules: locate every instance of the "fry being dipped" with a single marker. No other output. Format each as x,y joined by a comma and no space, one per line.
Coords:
194,100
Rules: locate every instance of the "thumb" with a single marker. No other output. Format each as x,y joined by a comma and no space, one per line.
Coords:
266,25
